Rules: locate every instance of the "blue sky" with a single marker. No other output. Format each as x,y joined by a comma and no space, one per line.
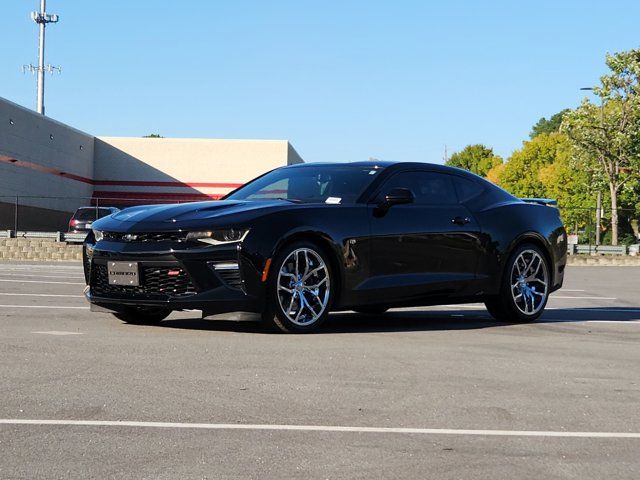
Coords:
342,80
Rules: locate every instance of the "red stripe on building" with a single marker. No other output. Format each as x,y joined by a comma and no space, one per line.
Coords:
43,169
156,196
123,183
140,183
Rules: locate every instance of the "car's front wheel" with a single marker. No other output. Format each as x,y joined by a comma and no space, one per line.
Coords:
143,315
525,287
300,289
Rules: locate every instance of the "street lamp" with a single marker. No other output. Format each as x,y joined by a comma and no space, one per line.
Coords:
599,197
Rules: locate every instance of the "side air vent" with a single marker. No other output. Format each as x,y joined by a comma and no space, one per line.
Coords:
228,272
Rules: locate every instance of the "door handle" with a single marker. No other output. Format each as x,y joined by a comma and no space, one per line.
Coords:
461,220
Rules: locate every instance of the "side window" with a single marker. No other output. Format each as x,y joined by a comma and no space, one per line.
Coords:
467,189
429,188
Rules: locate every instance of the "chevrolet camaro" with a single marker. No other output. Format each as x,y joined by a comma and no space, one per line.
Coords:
301,241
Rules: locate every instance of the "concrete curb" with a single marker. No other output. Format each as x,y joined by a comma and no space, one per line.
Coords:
602,261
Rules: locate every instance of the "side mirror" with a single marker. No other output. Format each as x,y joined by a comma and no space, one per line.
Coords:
397,196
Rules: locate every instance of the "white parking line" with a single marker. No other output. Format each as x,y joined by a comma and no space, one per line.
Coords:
32,268
482,307
319,428
581,298
40,295
66,274
37,281
58,333
43,306
598,309
612,321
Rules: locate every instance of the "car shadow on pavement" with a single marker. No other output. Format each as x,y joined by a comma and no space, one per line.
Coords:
467,319
415,320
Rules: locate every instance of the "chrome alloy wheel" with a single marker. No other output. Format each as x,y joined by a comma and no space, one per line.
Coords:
529,282
303,286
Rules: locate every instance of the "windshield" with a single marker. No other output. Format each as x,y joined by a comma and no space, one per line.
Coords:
310,184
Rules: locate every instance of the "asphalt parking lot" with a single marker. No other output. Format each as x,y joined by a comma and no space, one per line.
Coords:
441,392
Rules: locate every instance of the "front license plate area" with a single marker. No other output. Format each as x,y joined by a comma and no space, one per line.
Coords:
123,273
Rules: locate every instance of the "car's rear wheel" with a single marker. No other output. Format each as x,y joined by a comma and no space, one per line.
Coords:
143,315
525,287
300,289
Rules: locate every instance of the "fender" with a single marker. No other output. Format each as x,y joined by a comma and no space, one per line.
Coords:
333,248
537,239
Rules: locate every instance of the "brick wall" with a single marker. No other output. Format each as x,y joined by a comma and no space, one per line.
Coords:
38,249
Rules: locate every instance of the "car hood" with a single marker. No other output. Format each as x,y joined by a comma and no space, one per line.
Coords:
187,215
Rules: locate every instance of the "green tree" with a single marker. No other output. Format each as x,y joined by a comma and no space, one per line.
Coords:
551,125
608,135
153,135
570,186
495,174
475,158
543,167
521,174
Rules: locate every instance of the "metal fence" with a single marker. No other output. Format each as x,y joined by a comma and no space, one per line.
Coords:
587,226
52,214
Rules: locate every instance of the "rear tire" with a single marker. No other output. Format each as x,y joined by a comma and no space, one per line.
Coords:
143,315
300,289
524,291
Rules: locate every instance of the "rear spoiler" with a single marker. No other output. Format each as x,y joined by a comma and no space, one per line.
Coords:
547,202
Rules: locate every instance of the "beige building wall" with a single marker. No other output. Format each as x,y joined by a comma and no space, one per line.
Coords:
183,167
54,168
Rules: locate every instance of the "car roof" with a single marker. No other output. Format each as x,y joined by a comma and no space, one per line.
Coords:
386,164
365,164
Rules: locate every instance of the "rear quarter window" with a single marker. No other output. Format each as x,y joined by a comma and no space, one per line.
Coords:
466,188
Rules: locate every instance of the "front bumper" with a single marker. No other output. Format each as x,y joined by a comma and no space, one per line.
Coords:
205,280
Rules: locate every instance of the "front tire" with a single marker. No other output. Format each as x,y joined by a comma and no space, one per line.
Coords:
525,287
143,315
300,290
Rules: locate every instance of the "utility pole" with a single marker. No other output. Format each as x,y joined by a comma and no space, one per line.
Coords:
598,216
599,197
41,18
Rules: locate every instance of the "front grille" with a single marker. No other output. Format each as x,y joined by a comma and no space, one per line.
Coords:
155,283
145,237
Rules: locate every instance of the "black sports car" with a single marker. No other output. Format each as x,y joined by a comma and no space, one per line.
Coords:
301,241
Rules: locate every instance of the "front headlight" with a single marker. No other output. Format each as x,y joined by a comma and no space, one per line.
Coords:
219,237
98,235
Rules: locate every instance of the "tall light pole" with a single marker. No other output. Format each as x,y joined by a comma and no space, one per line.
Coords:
599,197
41,18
